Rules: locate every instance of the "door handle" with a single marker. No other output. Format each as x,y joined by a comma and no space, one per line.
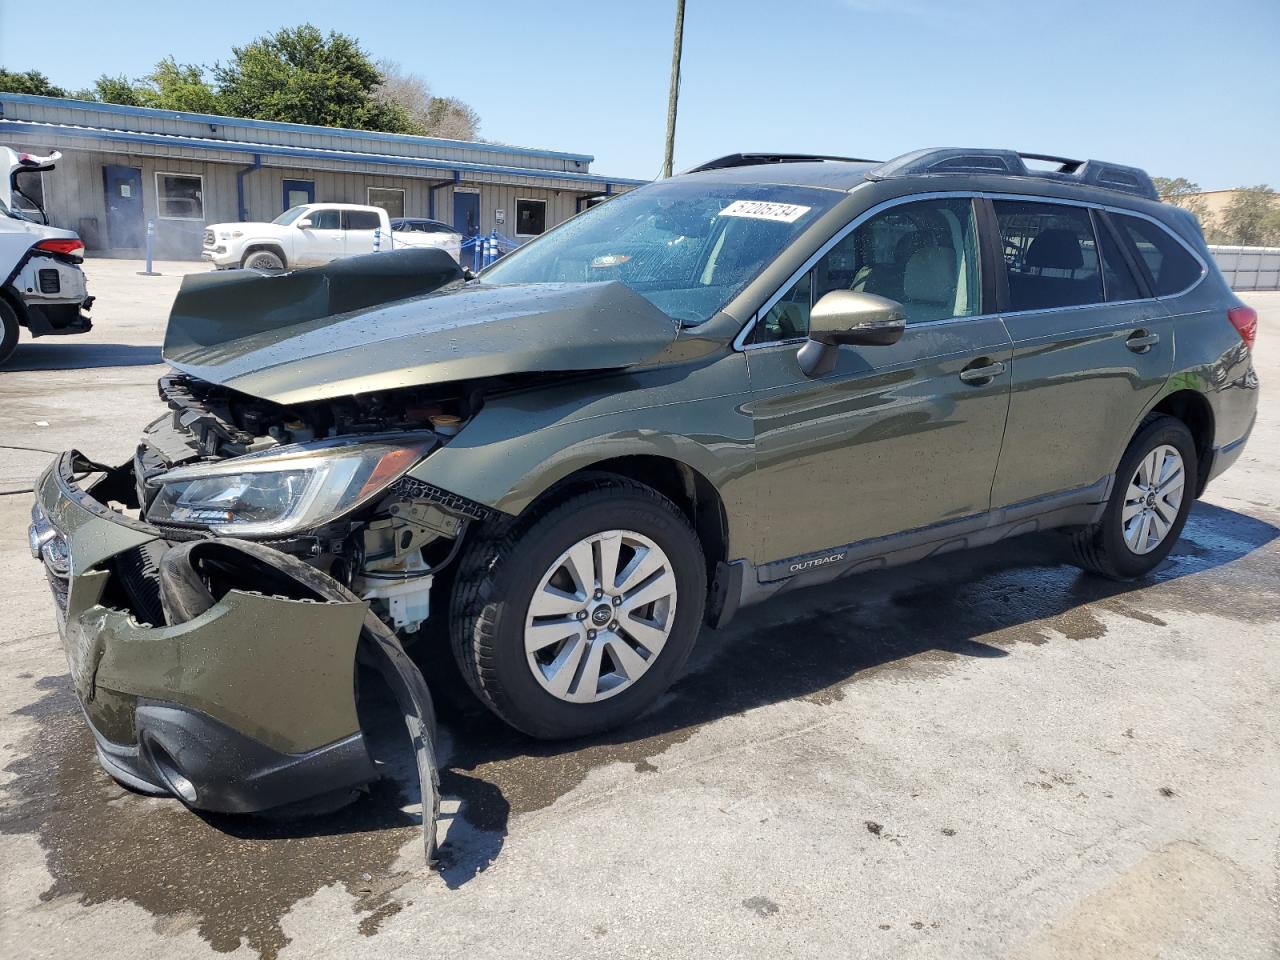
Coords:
1140,341
978,375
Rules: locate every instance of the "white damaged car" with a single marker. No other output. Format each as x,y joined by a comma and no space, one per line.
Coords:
43,287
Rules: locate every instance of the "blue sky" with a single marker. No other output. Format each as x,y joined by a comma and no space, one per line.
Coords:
1182,88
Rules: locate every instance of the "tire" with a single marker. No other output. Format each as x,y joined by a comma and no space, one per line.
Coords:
499,576
266,261
8,331
1107,547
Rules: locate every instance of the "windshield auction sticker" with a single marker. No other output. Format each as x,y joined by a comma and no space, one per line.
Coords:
763,210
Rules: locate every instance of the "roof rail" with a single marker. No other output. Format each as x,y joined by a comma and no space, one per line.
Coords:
755,159
944,160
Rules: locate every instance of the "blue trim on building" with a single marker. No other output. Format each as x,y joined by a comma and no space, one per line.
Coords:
242,211
36,130
117,109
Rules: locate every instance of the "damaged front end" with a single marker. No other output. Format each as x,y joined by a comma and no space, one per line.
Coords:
216,593
222,670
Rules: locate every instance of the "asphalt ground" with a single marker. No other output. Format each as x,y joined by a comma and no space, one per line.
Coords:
987,754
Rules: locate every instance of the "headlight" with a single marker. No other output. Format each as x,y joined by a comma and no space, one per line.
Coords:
285,490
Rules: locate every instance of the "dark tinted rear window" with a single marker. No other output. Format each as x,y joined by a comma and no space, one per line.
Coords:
1050,255
1172,268
1116,275
363,220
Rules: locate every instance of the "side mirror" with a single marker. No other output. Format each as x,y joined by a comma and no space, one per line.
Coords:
305,223
848,317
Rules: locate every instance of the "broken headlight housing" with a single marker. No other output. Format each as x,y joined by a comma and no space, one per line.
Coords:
285,490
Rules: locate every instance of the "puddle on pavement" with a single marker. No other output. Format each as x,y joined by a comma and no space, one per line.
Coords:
234,879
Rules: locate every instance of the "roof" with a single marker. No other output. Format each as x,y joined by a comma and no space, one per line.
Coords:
78,123
118,110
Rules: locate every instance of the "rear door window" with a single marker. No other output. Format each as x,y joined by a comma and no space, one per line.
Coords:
1050,255
362,220
1172,268
1117,278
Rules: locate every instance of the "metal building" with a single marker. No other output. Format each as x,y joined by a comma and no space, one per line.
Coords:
124,166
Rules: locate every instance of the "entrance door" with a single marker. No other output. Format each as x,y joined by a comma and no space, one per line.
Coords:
126,226
466,214
298,192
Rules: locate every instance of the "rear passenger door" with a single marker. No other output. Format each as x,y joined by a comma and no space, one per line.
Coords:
1090,348
895,437
360,227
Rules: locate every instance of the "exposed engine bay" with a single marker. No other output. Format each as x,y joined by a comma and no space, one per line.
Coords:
388,551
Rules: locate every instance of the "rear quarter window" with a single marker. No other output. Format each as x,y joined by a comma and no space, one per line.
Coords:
1172,268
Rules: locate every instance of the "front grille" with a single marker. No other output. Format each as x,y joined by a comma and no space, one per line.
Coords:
49,282
208,238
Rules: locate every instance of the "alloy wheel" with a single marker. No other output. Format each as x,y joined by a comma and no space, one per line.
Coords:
1153,499
600,616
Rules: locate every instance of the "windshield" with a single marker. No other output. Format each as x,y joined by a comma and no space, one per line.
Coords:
289,216
686,246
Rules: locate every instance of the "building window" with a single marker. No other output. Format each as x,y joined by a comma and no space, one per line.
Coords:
531,217
180,196
389,199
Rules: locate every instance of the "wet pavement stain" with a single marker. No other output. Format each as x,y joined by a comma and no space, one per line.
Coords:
233,879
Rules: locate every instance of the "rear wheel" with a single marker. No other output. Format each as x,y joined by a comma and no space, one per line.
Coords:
1152,495
264,260
582,615
8,331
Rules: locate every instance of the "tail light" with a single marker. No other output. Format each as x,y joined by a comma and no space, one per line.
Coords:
1245,320
71,247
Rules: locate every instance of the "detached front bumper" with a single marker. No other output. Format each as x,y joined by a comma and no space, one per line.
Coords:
245,706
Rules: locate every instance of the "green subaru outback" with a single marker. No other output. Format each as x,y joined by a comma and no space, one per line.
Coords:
768,372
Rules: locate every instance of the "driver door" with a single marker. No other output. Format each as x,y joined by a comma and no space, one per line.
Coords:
323,241
896,437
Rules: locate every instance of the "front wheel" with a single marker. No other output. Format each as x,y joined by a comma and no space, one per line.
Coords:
8,331
583,614
1153,492
264,260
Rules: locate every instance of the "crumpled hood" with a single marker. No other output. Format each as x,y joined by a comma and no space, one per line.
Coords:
365,324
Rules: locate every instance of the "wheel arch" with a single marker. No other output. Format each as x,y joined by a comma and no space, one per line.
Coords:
691,491
271,246
1194,410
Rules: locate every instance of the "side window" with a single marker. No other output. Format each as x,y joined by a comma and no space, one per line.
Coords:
1117,278
789,317
1050,255
1172,268
362,220
923,254
325,219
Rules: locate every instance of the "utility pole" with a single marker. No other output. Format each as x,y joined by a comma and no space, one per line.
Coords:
675,89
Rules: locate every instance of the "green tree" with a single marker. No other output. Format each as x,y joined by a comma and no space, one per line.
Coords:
299,75
1253,217
179,86
117,89
30,81
1187,194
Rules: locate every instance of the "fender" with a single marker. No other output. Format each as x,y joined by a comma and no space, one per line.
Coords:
521,444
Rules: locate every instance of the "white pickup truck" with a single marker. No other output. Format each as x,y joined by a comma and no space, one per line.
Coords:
312,234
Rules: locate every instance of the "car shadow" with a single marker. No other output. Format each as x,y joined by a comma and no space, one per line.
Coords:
810,643
806,645
80,356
